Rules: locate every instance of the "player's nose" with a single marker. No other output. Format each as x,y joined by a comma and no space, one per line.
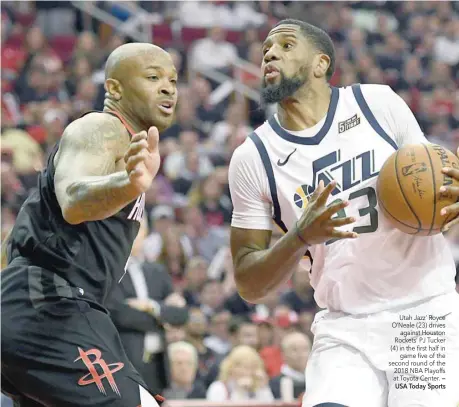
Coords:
271,55
167,88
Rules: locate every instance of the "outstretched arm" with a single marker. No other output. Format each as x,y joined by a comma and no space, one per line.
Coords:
87,184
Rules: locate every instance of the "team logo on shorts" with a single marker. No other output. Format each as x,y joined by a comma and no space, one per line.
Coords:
97,375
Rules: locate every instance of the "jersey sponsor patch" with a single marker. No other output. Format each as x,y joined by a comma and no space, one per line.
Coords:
348,124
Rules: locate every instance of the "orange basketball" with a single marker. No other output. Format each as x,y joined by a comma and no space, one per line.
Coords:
408,188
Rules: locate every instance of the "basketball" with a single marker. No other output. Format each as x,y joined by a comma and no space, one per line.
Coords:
408,188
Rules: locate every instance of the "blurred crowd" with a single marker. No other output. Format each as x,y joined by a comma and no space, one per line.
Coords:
52,72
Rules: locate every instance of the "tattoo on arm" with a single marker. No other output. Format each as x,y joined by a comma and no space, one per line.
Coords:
87,186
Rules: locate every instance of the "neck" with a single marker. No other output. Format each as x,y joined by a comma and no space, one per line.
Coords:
136,126
305,109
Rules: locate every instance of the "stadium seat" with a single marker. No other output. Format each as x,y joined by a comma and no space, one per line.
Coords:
162,34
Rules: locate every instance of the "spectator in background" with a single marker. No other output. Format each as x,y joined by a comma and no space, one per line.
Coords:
194,279
301,297
86,47
196,331
447,45
163,221
242,331
284,321
184,384
79,69
139,305
219,338
207,112
212,52
290,384
215,206
173,255
242,377
235,121
211,297
205,240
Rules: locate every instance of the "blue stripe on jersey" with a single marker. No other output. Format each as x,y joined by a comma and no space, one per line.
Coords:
369,115
322,132
271,180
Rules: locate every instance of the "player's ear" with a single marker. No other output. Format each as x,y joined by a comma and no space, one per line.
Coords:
321,64
114,89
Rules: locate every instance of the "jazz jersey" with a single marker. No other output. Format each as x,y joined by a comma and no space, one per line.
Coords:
274,173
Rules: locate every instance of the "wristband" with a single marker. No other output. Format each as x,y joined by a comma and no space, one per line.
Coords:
297,231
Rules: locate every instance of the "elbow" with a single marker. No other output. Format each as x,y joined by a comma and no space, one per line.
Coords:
70,215
251,293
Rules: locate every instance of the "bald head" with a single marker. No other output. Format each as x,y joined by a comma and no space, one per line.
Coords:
295,338
141,81
296,347
129,55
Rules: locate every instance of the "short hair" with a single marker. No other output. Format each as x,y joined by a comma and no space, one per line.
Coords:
318,38
237,322
183,346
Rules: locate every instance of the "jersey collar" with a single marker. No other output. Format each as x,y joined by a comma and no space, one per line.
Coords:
320,134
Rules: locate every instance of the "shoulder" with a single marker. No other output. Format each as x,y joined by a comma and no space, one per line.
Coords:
95,130
379,96
246,164
245,153
95,121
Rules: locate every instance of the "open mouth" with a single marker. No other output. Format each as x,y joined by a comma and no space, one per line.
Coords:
166,107
271,72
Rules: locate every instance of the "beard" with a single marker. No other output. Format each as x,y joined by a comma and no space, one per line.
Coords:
286,87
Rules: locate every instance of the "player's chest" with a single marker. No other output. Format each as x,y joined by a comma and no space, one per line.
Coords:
352,158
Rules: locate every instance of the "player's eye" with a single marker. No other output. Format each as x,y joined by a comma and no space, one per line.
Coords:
265,51
174,81
153,77
288,45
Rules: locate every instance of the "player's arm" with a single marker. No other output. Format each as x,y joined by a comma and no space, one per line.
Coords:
87,185
260,269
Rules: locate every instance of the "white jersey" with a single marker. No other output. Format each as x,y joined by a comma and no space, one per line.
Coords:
274,172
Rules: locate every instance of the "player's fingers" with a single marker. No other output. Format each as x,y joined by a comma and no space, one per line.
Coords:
317,191
153,138
139,136
451,209
333,209
136,159
323,197
448,226
135,148
340,234
452,172
454,191
341,222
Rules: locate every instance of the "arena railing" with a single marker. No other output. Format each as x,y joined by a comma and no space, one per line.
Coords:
138,24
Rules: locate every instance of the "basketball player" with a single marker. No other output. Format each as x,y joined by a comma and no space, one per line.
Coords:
313,168
72,239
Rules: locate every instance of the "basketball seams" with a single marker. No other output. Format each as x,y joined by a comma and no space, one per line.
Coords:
434,212
403,193
402,223
392,216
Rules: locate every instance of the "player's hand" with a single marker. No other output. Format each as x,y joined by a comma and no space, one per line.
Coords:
141,305
316,224
142,159
454,191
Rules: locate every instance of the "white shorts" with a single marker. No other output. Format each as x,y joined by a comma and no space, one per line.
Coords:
399,358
